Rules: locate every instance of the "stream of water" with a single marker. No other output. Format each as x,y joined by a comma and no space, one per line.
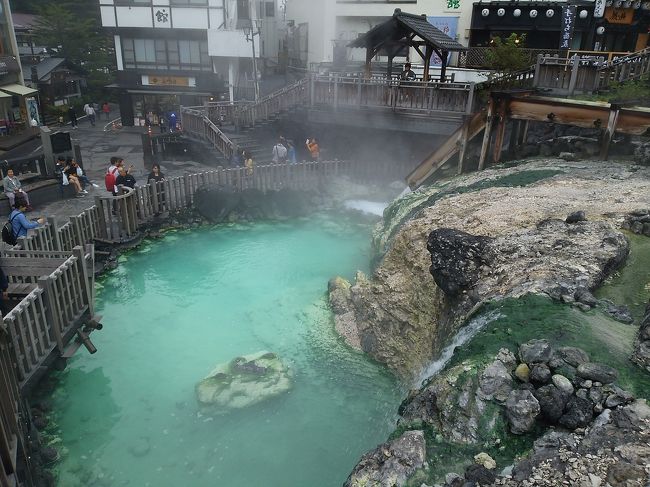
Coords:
127,416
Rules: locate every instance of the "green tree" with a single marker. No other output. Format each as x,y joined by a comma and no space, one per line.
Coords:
509,55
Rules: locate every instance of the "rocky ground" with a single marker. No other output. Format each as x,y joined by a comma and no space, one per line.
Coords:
523,243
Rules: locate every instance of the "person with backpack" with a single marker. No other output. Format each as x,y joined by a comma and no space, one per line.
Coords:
111,175
279,152
18,224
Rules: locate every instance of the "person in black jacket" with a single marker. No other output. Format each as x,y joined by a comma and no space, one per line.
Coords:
125,179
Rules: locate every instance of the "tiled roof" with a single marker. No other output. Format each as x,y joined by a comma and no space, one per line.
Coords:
400,25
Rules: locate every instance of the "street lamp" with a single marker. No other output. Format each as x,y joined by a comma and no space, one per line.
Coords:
250,32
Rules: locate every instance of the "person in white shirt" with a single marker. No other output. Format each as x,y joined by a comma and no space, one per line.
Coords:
90,113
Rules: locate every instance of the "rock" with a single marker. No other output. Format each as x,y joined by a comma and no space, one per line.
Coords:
579,413
619,313
339,295
140,447
496,382
521,410
568,156
242,382
584,296
575,217
479,475
618,397
551,402
540,374
563,384
486,460
456,258
507,358
641,353
522,372
454,480
391,463
597,372
535,351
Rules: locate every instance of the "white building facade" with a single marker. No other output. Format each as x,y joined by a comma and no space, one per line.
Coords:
185,52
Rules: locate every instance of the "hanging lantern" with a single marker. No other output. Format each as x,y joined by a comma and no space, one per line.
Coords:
501,12
583,14
485,12
600,30
533,14
517,12
550,12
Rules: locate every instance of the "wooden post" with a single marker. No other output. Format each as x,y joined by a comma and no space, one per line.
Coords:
443,66
574,73
79,253
336,92
52,312
486,135
501,131
614,111
427,62
463,143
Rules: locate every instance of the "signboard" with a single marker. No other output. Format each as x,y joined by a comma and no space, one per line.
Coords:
32,110
168,80
619,15
599,8
8,64
567,25
448,26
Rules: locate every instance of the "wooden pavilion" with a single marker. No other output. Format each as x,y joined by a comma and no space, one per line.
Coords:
402,32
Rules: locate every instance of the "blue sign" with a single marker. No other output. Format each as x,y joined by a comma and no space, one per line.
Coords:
448,26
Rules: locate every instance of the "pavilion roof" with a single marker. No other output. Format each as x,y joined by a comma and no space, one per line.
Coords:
401,27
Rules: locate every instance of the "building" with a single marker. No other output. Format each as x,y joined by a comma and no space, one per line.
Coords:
18,104
186,52
618,26
318,31
56,82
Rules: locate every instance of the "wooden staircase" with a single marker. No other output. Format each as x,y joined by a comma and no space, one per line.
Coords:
455,144
626,68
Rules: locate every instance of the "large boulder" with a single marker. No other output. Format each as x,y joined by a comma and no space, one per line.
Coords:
597,372
456,258
579,413
391,463
535,351
572,355
521,410
496,382
641,354
551,402
242,382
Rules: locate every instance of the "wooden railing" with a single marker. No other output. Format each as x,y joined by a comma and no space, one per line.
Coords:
287,98
196,122
415,97
628,67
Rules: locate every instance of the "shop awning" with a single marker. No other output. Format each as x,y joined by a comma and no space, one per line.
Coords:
4,95
16,89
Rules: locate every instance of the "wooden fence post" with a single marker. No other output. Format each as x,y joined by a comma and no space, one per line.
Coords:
487,134
79,253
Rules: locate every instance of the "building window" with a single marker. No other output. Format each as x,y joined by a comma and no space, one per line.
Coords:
270,9
171,54
189,2
243,11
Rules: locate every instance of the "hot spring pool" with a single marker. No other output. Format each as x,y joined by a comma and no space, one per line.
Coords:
127,416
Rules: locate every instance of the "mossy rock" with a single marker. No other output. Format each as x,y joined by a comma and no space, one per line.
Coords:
243,382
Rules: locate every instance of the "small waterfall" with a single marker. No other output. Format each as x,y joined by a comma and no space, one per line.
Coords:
365,206
462,337
406,191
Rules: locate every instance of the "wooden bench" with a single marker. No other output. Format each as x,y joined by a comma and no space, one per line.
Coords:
41,192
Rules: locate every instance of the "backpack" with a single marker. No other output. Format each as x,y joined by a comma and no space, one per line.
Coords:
109,181
8,236
282,152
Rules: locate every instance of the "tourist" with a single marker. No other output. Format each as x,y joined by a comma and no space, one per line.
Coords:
162,122
156,175
71,177
291,152
81,176
248,163
19,222
106,110
279,152
111,175
313,148
89,110
14,190
407,74
124,178
72,115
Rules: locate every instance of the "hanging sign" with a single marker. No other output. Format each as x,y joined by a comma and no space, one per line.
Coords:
568,23
446,25
599,8
619,15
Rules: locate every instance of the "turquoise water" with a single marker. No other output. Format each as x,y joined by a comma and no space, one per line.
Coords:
127,415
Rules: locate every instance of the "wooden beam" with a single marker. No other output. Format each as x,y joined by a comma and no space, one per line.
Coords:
443,65
501,131
427,63
462,143
609,131
419,52
487,134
